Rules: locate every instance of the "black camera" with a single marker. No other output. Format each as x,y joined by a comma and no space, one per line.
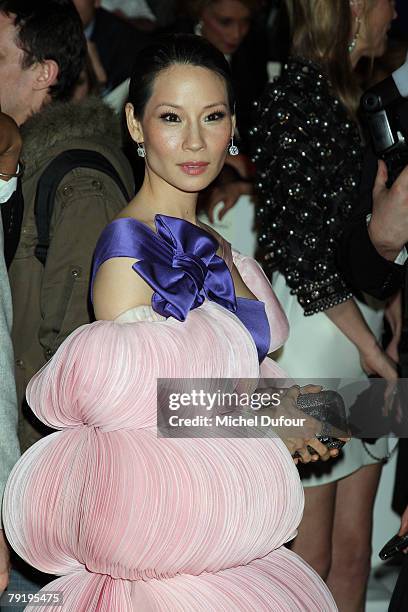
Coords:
385,112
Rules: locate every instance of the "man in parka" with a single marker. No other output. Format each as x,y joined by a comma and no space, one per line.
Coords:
42,51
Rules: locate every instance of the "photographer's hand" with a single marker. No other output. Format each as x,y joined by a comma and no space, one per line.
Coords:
388,227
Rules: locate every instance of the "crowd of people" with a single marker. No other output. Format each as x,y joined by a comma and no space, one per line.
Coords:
109,282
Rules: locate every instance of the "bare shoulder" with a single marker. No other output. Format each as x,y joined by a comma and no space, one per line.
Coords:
118,287
134,210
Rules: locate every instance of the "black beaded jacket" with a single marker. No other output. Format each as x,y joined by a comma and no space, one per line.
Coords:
308,154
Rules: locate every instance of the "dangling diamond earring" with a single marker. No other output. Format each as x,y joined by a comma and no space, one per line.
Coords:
233,149
141,150
353,43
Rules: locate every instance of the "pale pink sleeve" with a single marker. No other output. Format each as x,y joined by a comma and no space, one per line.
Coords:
256,280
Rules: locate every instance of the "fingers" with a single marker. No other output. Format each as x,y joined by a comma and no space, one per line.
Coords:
390,397
215,196
401,182
320,449
380,179
311,389
211,208
229,202
305,456
293,392
298,449
225,208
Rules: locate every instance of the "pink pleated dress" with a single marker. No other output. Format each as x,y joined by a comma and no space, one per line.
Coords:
132,522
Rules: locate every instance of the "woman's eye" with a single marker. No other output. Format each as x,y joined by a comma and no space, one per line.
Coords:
215,116
170,117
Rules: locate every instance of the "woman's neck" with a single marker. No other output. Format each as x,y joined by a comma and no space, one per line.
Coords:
159,197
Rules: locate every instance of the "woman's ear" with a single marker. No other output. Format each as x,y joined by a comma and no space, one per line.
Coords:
134,125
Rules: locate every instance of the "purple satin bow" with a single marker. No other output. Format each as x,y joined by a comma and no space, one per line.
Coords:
179,262
186,271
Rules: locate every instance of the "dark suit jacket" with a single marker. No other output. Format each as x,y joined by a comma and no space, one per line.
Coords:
358,259
117,43
360,263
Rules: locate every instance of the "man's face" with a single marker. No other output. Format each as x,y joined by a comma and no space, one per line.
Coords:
86,10
16,82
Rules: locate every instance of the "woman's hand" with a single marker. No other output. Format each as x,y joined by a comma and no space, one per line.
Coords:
242,165
229,194
299,447
298,439
376,362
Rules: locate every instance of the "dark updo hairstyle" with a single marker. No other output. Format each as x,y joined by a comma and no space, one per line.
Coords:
166,51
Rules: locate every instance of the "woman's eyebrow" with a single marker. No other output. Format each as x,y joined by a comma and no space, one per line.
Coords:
215,104
180,107
168,104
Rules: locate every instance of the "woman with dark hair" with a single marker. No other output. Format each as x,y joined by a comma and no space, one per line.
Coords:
130,520
308,151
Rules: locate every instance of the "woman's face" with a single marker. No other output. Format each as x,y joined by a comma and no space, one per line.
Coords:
225,23
186,127
377,23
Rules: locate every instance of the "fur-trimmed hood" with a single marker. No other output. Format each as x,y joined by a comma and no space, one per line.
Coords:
62,122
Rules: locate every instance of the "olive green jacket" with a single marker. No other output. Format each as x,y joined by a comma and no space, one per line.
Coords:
50,302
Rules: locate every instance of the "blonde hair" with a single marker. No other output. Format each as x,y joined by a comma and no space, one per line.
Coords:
321,31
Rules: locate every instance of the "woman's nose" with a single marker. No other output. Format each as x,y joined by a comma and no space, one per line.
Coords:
194,140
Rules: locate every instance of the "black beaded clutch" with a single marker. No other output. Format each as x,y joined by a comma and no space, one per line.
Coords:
328,408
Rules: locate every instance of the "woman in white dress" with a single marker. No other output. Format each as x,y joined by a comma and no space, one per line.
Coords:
309,153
